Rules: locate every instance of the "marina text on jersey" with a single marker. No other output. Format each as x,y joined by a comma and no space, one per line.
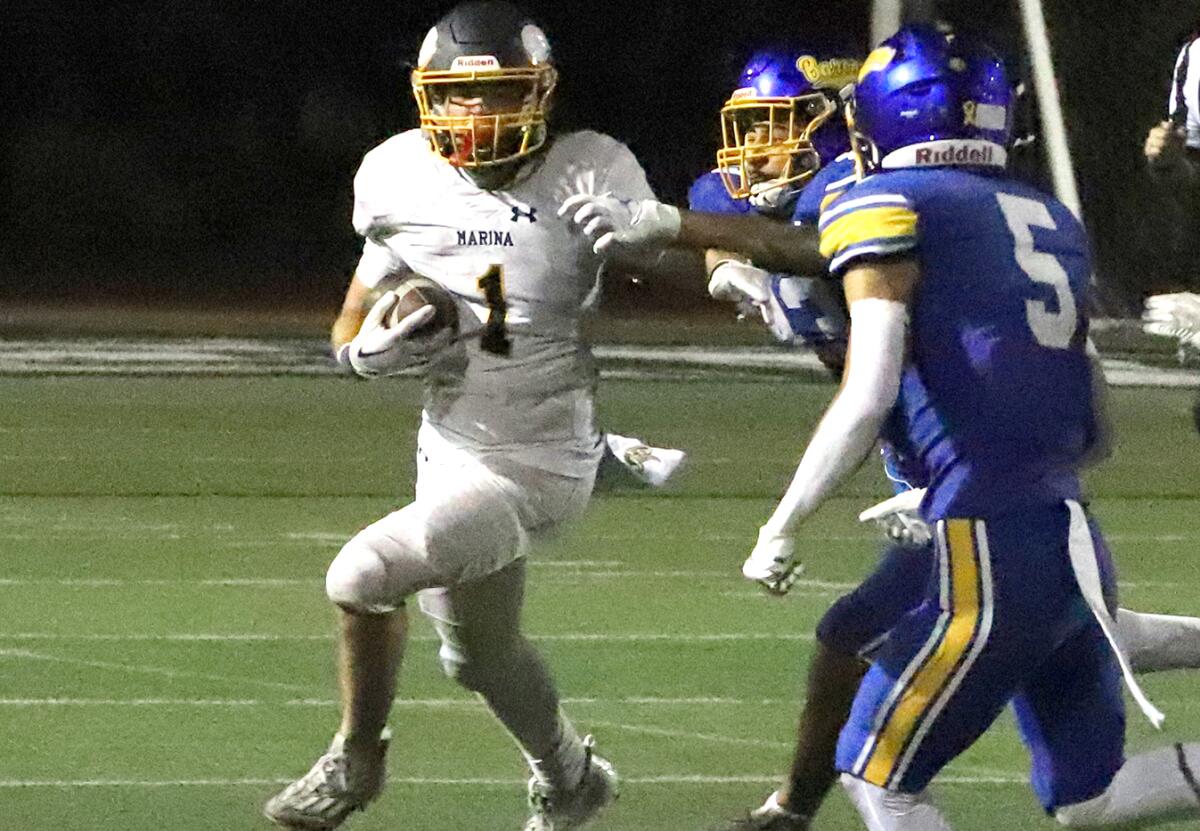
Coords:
502,239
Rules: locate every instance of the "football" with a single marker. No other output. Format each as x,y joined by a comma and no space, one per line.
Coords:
415,292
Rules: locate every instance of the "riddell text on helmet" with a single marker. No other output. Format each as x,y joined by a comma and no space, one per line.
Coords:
956,154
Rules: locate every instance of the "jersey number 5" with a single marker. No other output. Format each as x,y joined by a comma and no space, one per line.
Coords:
495,332
1051,329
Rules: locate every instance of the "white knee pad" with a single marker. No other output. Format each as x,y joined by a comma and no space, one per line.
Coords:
455,536
357,580
382,564
1158,642
884,810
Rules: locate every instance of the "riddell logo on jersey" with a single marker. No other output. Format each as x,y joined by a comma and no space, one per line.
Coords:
502,239
955,154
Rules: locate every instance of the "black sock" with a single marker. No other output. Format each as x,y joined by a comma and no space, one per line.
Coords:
833,679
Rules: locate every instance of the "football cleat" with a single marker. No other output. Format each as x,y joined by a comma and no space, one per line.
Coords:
653,465
770,816
337,785
553,809
630,461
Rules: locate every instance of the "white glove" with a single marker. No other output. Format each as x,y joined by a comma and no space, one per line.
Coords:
773,562
1174,316
605,220
754,291
735,282
379,349
899,519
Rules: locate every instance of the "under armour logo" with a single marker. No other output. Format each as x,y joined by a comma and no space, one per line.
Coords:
519,214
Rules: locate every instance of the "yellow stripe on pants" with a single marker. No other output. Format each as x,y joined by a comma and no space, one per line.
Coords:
923,688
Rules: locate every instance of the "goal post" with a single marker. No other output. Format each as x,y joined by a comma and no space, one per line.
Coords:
1054,129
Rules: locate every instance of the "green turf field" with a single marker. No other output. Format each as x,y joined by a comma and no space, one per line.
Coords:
165,650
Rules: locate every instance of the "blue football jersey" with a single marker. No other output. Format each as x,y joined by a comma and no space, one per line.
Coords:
823,188
995,402
708,194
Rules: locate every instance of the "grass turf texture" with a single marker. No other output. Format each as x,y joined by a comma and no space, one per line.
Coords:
166,650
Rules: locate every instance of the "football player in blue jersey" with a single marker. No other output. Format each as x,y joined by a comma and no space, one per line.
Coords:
758,177
782,129
969,352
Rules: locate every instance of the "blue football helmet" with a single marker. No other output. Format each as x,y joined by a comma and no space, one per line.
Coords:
781,122
928,97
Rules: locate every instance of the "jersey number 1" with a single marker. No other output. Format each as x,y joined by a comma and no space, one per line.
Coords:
495,332
1051,329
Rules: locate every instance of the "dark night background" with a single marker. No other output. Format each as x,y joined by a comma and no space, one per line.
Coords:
202,150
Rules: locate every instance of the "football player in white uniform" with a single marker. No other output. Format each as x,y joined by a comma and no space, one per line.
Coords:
507,447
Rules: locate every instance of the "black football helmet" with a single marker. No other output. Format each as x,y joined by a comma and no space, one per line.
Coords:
483,82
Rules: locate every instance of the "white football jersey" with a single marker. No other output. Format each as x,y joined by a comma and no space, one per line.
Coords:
1188,96
509,259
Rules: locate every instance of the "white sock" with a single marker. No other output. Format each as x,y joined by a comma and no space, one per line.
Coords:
563,767
885,810
1158,642
1158,785
772,808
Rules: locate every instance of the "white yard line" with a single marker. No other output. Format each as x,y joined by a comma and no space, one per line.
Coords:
308,357
145,669
263,637
665,733
566,572
557,571
401,703
468,704
663,779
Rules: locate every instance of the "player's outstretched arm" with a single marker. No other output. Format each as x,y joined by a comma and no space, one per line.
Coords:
877,294
769,244
615,223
